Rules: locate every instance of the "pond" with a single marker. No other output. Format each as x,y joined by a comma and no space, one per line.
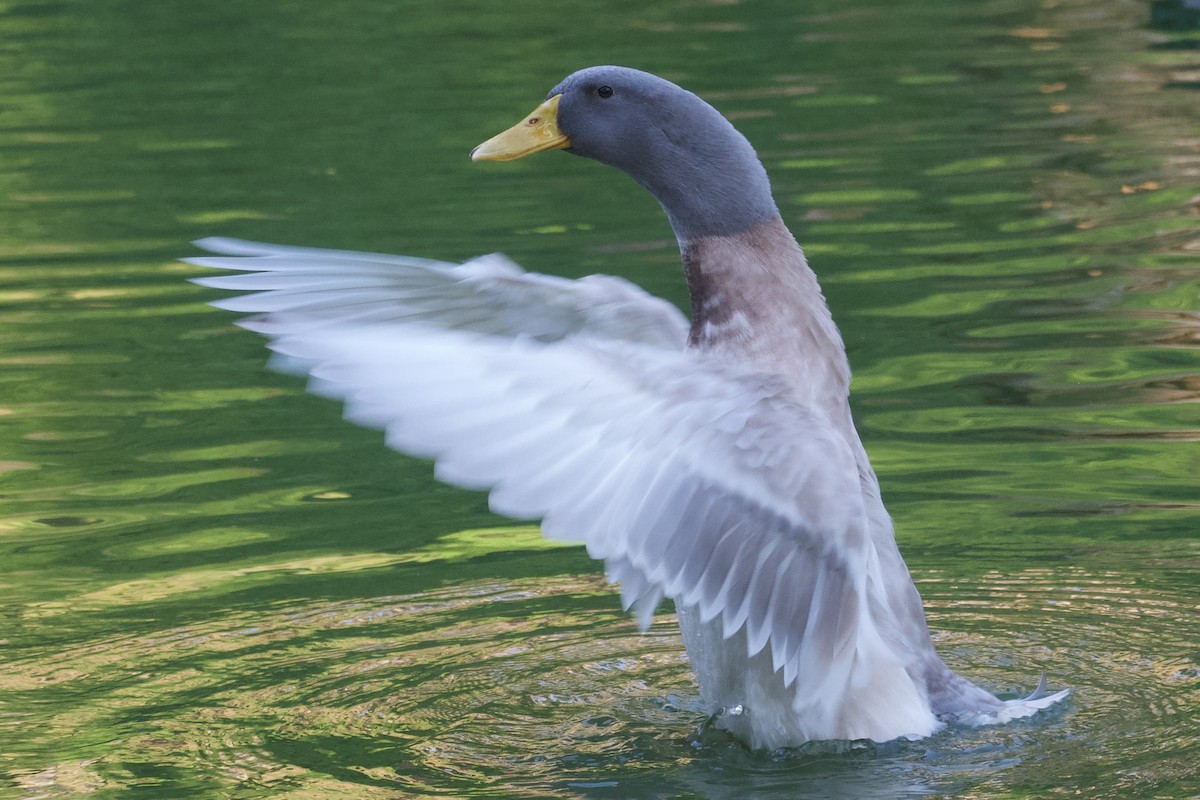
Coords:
213,586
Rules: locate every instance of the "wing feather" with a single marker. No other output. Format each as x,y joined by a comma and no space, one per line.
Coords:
687,476
490,294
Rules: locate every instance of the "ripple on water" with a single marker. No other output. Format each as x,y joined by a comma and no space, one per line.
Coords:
179,620
1126,646
543,689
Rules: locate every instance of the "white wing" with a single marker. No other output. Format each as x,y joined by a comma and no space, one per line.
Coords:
489,294
687,477
713,489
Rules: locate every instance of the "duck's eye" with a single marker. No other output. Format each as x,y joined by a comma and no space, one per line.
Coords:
605,92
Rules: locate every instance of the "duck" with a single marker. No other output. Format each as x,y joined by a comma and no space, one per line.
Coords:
708,459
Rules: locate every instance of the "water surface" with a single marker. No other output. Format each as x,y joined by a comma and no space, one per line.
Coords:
211,586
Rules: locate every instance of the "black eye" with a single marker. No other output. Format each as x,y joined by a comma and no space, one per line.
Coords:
605,92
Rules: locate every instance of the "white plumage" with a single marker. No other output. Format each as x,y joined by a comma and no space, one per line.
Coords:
713,462
576,402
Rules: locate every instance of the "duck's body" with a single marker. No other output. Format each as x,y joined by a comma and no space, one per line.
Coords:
757,304
715,463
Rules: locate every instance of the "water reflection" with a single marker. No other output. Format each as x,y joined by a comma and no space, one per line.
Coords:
445,690
213,586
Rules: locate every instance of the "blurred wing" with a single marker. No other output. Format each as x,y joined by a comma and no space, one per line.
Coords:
490,294
712,489
687,477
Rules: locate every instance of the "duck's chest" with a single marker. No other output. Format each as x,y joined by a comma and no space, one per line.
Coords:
756,303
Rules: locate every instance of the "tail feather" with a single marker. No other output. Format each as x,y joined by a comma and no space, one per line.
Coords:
1009,710
1027,707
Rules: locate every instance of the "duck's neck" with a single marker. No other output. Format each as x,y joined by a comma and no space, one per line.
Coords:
701,169
754,297
724,193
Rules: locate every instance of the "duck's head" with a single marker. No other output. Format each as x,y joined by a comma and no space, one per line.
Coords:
704,173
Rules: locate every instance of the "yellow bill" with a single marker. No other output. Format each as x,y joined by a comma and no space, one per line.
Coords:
537,132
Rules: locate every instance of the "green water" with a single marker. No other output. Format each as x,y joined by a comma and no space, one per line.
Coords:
211,586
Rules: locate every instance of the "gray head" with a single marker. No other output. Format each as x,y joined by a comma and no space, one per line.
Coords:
704,173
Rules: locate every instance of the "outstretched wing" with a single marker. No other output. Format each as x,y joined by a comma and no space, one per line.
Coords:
689,478
489,294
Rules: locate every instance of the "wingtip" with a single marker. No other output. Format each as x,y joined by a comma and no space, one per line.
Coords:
228,246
